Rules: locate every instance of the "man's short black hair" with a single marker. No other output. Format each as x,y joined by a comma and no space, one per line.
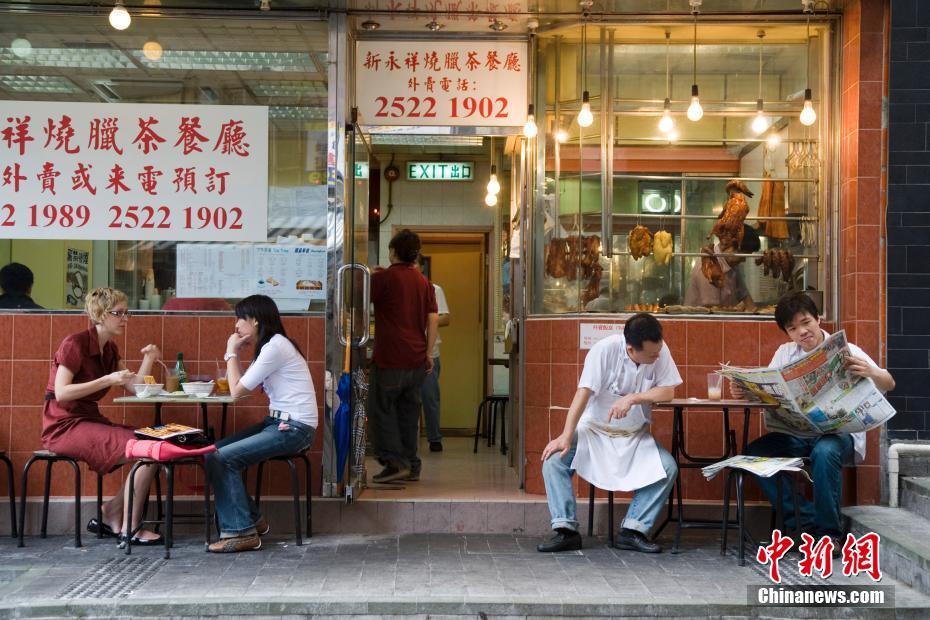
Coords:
16,279
790,305
406,245
750,242
640,328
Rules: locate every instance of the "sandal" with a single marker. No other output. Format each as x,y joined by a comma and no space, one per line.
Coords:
94,527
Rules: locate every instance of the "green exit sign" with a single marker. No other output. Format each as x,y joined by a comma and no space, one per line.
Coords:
361,170
440,171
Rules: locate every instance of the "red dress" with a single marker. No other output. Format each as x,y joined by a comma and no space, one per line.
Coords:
76,428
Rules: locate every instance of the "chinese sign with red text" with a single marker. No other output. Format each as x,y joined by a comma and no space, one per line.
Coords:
472,83
134,172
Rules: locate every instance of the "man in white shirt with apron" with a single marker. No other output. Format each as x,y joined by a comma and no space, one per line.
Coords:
606,438
796,314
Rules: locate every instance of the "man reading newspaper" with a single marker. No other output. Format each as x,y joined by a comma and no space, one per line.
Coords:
797,316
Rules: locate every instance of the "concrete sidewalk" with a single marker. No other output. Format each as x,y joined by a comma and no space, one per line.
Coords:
399,575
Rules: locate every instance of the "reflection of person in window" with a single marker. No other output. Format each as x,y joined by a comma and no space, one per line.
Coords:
16,280
703,293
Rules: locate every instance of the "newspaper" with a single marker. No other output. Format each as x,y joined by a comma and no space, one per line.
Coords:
763,466
816,395
178,432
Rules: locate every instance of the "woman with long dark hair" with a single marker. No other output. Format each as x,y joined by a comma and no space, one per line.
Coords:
280,368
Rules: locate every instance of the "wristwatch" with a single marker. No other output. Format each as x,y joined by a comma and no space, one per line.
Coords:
229,356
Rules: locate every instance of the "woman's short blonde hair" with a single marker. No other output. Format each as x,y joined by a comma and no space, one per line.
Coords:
101,300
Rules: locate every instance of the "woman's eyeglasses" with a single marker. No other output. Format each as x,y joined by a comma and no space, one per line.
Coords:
119,313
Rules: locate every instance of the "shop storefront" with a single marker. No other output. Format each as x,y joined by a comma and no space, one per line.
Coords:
606,209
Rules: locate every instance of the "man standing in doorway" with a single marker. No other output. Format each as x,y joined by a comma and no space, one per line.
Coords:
406,326
430,391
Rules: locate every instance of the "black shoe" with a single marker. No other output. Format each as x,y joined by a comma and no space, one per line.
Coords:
632,540
93,526
564,540
391,473
414,475
141,542
435,446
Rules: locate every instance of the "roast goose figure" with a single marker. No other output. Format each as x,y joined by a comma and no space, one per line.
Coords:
576,258
778,263
662,247
710,266
729,226
639,242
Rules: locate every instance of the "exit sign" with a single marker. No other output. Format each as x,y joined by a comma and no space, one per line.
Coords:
361,170
440,171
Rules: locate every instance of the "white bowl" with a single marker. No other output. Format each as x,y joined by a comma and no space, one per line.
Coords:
144,390
197,389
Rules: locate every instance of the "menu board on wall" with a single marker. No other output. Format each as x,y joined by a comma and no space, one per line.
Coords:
589,334
462,83
133,172
283,272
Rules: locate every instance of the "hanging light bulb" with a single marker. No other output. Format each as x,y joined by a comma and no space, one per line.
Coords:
585,117
120,17
673,136
494,186
773,140
561,136
490,200
152,50
759,124
667,123
529,127
808,115
695,111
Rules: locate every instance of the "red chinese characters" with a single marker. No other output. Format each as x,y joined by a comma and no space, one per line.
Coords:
189,136
17,133
231,140
103,135
147,140
815,556
47,177
81,179
13,176
860,555
62,133
773,552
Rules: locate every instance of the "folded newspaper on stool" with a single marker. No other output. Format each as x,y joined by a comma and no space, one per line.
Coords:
175,433
765,466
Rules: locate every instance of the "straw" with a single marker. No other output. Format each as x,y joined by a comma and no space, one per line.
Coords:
163,366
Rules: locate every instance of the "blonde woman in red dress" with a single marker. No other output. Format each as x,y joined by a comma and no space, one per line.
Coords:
85,367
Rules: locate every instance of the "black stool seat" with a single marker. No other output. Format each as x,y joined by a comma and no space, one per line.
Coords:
295,489
169,516
488,412
50,459
9,484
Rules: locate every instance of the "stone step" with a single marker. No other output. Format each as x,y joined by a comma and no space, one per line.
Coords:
905,542
915,495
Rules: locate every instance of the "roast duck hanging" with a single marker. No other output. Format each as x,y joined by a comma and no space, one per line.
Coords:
662,247
728,229
639,242
576,258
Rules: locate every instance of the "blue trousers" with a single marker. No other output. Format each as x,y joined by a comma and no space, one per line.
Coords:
827,454
429,393
234,506
643,511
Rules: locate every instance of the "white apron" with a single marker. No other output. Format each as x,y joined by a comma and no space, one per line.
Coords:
621,456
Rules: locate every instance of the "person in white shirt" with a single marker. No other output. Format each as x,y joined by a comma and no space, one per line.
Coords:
796,314
606,438
280,368
734,291
429,393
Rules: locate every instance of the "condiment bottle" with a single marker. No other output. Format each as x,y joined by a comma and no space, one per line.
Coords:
179,369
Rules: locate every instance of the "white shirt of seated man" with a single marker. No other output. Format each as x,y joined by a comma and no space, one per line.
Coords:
620,454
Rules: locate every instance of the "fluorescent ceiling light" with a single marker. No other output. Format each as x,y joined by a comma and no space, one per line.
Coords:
67,58
38,84
297,88
297,113
211,60
413,140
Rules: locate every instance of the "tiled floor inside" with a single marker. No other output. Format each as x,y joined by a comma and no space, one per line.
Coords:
456,473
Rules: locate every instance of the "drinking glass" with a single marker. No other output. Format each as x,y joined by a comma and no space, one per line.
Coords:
714,386
222,383
172,382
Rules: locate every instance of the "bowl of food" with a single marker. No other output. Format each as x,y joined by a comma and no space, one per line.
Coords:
145,390
197,389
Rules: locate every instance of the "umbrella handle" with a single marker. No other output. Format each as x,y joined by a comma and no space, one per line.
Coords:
348,358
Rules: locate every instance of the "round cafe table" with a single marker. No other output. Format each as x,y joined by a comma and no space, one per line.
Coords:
684,460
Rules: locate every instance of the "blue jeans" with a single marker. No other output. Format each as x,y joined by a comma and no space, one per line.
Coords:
643,511
430,396
235,509
827,454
